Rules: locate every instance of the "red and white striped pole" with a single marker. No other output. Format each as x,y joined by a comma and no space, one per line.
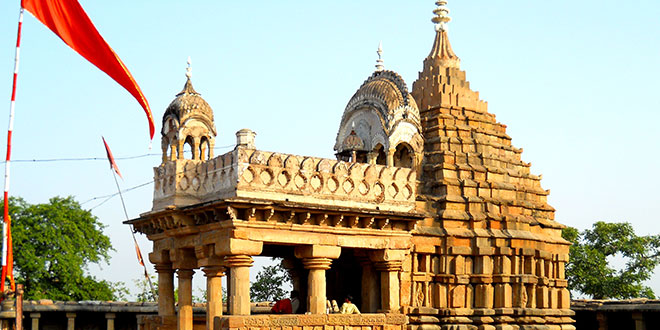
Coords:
6,249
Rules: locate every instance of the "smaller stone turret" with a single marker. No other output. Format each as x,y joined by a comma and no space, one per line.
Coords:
188,120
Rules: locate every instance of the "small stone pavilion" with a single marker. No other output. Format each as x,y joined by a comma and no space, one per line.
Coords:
428,216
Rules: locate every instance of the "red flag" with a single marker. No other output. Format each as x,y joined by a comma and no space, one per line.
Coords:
111,159
68,20
139,253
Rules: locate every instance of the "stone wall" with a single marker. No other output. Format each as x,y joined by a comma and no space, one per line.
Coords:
314,322
249,173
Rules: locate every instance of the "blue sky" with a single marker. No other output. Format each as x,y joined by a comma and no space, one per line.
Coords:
576,82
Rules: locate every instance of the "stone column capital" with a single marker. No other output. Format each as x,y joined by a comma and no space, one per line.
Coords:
232,261
183,273
110,315
317,263
317,251
389,266
214,271
35,315
164,268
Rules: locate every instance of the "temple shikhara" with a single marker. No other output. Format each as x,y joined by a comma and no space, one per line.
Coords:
428,216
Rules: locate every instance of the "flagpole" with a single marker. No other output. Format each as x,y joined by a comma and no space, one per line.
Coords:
146,273
6,221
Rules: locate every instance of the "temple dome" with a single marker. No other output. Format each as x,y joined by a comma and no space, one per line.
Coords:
188,120
187,104
382,114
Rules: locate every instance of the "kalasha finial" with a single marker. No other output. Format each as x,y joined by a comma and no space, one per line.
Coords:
441,16
189,68
380,66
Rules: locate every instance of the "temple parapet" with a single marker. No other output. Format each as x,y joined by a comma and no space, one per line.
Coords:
249,173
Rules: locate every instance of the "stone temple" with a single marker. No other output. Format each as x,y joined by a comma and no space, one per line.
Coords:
428,216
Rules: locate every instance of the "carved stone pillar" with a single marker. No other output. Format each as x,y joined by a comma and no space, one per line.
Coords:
390,157
317,258
316,285
179,150
110,321
502,279
239,283
184,320
389,263
71,321
639,321
195,149
602,320
370,303
35,320
213,293
165,290
389,284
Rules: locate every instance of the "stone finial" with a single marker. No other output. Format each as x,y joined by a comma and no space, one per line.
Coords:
441,16
189,68
245,138
380,66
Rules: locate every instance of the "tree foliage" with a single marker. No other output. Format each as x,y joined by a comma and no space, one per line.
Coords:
269,284
589,271
53,245
144,289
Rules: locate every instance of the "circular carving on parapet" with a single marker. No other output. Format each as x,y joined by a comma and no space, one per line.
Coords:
284,178
392,190
316,182
407,192
340,169
370,173
363,188
195,184
307,165
300,181
332,184
387,173
325,165
379,192
266,177
258,158
183,183
378,189
248,175
292,163
348,186
401,174
275,161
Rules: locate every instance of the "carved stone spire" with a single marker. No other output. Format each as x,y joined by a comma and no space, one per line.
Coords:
441,82
380,65
441,52
188,87
441,16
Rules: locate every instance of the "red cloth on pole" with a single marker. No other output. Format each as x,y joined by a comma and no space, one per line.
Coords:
68,20
111,159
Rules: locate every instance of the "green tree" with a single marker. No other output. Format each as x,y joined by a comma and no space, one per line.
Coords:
589,271
53,245
144,289
269,284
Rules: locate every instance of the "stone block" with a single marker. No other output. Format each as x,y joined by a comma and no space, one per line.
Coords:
232,246
388,255
317,251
